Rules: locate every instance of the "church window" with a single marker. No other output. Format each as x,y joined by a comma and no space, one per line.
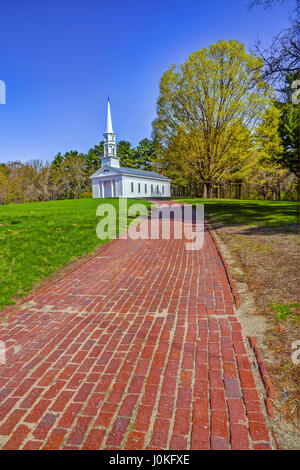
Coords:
139,187
157,189
145,189
132,187
163,189
151,188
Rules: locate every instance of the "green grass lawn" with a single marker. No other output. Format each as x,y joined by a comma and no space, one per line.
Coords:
249,212
37,238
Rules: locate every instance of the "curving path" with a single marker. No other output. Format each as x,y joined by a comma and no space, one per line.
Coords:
138,347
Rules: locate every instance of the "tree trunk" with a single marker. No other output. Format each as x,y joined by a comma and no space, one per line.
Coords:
207,190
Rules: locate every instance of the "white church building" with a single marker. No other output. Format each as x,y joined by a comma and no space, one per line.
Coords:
112,180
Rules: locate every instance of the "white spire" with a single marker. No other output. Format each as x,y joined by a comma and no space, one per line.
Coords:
108,122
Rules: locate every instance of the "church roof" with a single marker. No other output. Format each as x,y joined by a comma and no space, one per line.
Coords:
137,172
134,172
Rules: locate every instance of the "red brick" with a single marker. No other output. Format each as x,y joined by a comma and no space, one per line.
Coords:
94,404
116,394
104,419
143,418
269,407
77,435
247,379
33,445
154,376
239,437
118,431
201,389
258,431
17,438
178,443
169,385
135,441
55,439
44,426
76,381
165,407
83,393
24,387
136,384
160,433
63,398
217,399
200,435
236,411
186,379
31,398
219,424
149,396
262,446
54,389
219,443
6,407
11,422
94,439
200,410
37,411
182,422
184,398
69,415
128,405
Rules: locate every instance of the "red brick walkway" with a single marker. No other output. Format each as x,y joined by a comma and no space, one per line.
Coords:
138,347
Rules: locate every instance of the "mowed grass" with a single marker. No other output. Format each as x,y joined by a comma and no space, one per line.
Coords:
37,238
249,212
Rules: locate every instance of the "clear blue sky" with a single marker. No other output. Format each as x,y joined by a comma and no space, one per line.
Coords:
61,58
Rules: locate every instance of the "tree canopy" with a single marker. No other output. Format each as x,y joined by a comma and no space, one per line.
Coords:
209,111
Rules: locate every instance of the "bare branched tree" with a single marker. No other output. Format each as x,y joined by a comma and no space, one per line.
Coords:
283,55
265,3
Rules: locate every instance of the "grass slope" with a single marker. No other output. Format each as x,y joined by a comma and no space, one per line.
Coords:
37,238
249,212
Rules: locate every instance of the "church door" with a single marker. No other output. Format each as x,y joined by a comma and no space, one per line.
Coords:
107,189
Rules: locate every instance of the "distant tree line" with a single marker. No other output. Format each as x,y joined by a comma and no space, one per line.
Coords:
68,175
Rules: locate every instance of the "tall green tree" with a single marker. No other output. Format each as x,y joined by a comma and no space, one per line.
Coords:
289,128
146,154
209,108
93,158
127,154
70,177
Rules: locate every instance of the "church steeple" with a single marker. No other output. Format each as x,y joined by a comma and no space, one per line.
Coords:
109,128
110,147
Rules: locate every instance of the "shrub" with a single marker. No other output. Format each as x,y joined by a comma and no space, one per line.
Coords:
85,194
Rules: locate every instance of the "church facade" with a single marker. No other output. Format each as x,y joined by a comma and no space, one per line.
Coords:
112,180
